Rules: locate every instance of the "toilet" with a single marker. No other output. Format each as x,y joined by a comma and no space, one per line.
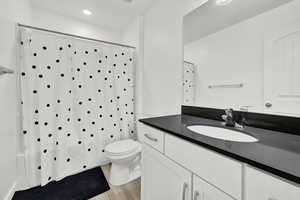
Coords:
125,156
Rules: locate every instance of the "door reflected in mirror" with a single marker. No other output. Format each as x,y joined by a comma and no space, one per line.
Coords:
243,55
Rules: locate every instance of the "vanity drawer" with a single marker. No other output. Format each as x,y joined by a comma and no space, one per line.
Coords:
218,170
152,137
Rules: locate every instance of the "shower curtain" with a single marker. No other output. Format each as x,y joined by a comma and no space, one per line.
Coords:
77,96
188,83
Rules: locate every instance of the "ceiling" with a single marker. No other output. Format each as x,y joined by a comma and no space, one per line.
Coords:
210,18
114,14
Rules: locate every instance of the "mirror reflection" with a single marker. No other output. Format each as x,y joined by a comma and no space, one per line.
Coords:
246,58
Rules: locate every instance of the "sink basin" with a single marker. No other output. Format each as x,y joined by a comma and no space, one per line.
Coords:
222,133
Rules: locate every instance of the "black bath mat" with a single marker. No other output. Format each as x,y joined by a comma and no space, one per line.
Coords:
80,186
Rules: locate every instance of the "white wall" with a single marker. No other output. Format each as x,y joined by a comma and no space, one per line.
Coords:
132,34
235,55
53,21
163,57
11,11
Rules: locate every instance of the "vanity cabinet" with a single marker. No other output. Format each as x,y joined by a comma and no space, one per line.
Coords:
204,191
175,169
262,186
163,179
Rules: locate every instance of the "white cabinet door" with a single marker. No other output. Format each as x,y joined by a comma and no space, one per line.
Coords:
162,179
204,191
215,168
282,71
261,186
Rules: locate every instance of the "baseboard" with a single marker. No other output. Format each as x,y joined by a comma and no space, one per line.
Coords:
11,192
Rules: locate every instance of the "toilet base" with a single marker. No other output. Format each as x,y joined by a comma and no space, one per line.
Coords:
122,173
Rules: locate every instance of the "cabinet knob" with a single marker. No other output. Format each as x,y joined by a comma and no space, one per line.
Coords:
268,105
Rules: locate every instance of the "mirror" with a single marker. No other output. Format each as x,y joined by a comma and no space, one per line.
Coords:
243,55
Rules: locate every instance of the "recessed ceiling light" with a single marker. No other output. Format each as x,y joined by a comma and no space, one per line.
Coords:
223,2
87,12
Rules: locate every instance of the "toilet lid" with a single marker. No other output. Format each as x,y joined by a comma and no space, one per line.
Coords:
122,147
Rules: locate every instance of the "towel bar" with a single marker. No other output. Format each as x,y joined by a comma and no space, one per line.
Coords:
226,86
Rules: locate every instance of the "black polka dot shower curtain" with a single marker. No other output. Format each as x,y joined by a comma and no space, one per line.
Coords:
189,73
77,96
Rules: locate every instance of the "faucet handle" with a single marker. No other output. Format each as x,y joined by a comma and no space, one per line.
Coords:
229,112
224,117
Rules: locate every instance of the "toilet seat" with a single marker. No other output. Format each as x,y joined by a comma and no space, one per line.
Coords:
123,147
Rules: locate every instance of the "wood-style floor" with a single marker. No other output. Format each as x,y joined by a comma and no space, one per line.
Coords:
130,191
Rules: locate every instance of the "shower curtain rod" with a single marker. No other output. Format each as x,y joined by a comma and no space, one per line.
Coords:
75,36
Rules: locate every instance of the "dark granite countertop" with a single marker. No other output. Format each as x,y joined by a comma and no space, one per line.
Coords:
275,152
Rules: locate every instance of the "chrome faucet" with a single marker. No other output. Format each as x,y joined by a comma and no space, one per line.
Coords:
230,119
